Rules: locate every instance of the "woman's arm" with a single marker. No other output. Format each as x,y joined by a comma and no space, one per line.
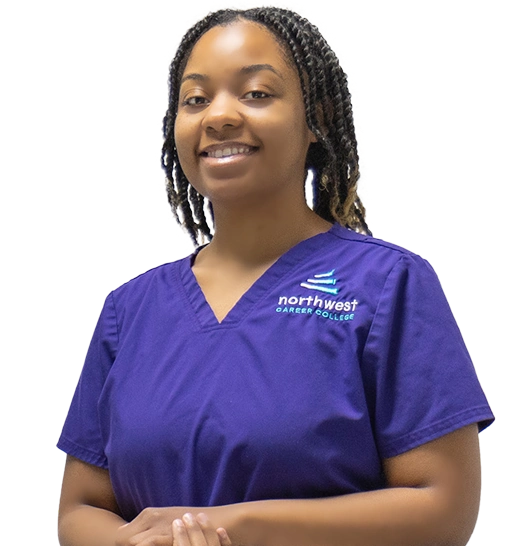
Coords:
432,499
89,516
88,512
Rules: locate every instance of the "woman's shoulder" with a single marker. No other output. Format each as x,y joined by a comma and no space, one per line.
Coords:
159,281
369,249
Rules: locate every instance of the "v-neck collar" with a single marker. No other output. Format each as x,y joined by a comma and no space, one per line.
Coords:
285,264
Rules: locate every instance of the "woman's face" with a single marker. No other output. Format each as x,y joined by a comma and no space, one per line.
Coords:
241,132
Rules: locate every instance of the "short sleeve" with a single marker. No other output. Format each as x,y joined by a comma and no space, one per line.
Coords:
81,435
419,378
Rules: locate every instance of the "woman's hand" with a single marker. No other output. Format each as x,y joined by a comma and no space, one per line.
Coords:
198,531
171,526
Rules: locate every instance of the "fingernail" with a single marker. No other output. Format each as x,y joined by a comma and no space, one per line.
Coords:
202,518
178,523
188,518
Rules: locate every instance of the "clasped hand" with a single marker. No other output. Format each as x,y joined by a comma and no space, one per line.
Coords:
169,527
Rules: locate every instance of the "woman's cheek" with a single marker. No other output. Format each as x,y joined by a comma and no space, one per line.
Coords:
286,123
184,145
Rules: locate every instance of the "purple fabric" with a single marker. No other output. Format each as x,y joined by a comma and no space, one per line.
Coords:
343,353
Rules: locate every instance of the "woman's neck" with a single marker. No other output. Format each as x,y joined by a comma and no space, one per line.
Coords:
249,241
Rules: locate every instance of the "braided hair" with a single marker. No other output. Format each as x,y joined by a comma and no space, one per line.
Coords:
333,159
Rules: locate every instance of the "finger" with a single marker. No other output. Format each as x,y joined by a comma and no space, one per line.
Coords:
179,534
223,537
200,530
126,536
214,537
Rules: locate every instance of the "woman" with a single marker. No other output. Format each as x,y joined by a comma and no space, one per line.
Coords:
295,381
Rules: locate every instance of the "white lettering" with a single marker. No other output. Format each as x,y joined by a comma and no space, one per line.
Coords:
306,303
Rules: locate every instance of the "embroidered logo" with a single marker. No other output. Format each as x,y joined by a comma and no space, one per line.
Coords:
315,304
323,282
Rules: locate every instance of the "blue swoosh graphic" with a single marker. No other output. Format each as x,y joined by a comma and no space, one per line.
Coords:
322,281
320,288
321,275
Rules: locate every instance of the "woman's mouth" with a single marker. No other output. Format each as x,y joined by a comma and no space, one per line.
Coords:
221,159
228,151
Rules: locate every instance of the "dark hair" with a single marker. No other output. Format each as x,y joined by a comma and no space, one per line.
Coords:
333,159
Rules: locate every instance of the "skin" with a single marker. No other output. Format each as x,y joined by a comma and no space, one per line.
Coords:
432,499
259,205
89,515
432,493
198,531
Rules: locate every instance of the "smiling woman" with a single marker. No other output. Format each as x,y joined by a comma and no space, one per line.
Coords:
327,111
294,381
241,133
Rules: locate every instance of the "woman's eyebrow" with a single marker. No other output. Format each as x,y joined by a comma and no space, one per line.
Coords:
250,69
258,67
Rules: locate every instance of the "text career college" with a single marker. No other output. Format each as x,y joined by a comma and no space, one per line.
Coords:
328,309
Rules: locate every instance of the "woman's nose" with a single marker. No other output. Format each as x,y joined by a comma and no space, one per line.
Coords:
222,112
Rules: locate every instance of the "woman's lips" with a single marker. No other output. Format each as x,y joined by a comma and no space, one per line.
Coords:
226,155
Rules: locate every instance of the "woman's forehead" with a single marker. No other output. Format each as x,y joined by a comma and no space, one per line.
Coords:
238,44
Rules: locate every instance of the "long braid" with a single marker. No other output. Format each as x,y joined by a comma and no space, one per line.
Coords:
185,202
333,159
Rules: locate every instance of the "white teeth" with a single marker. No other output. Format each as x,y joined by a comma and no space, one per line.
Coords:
228,151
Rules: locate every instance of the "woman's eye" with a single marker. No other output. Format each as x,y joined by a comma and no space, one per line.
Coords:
203,101
195,101
256,95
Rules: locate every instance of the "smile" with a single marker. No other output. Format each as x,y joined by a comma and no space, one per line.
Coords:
228,157
228,151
